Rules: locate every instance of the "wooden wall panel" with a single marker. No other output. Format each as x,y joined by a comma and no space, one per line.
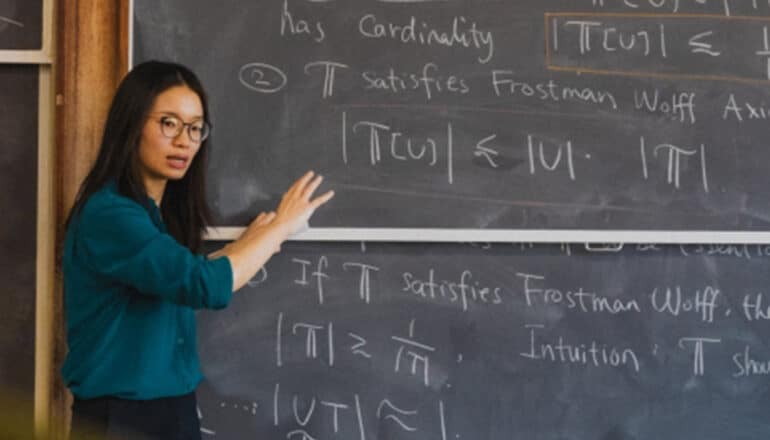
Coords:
91,59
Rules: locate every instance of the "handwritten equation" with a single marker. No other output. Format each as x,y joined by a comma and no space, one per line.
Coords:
674,45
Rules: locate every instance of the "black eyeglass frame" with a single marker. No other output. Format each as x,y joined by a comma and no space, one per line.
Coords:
205,128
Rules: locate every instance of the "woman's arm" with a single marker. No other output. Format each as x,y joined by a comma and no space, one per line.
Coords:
264,236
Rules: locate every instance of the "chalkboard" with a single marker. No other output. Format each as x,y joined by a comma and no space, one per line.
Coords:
477,116
394,341
18,202
21,24
483,115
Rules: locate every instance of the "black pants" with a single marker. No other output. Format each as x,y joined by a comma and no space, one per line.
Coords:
169,418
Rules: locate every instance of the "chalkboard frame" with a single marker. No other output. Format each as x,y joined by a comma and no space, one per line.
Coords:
44,55
45,259
613,237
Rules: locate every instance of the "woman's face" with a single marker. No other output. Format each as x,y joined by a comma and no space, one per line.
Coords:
163,155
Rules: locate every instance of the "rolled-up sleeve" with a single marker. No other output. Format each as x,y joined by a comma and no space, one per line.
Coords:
117,239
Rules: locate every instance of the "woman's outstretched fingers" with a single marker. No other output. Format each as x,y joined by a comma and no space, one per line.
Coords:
296,189
301,183
296,206
320,200
311,187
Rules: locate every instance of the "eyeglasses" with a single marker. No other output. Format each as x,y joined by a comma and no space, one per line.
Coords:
172,127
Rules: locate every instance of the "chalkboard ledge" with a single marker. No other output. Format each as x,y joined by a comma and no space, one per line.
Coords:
512,235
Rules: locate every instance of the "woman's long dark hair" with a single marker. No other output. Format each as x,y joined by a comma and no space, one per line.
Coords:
184,208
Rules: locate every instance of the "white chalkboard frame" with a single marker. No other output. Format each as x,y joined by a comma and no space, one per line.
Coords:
512,235
45,265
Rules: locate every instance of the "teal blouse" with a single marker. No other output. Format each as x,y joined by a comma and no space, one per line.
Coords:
130,291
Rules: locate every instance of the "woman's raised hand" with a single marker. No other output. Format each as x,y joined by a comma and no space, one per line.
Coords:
263,237
297,205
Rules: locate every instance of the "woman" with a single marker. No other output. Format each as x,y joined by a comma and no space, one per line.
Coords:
132,273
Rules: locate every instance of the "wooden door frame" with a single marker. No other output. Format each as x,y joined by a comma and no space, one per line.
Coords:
91,57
